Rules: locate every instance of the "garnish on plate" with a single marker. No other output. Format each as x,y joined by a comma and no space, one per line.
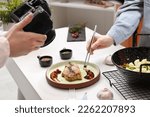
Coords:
89,74
54,75
72,72
76,30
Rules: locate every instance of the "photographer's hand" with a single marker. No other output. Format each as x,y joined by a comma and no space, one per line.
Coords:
21,43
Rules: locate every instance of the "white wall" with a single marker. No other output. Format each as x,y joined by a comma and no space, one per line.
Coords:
63,16
104,19
59,17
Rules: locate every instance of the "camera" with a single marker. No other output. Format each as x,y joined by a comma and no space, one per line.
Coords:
41,22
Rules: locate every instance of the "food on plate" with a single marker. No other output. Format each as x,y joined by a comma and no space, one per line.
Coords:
135,66
89,75
54,75
75,35
72,72
105,94
76,30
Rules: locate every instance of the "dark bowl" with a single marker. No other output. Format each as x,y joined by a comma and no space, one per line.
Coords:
128,55
45,61
66,54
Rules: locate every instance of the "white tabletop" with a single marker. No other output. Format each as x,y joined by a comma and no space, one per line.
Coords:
30,77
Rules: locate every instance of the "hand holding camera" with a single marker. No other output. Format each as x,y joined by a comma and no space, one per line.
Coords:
41,22
21,42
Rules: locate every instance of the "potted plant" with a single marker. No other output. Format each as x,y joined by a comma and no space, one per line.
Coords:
6,7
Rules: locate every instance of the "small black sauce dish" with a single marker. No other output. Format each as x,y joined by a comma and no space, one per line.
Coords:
65,54
45,61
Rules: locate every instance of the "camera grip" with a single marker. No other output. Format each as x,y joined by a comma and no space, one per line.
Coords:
41,23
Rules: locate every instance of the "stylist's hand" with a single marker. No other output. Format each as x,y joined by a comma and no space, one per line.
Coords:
99,42
21,43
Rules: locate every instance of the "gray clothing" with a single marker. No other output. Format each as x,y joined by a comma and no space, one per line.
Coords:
127,20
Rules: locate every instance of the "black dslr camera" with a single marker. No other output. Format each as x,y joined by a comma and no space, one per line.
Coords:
41,22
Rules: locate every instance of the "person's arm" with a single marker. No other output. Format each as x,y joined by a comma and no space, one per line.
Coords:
128,18
16,42
21,42
4,50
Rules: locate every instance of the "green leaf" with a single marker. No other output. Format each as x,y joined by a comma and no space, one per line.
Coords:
6,8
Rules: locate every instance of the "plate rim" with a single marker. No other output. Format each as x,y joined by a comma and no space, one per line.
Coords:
72,86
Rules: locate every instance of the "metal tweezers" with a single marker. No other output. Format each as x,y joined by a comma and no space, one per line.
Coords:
87,58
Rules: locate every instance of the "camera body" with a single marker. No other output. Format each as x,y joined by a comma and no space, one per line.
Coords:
41,22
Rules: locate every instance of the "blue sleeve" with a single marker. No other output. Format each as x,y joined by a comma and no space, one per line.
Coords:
127,20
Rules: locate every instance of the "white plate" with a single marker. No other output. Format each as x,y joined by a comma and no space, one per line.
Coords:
63,83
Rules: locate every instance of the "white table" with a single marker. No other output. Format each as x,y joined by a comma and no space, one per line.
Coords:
30,77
